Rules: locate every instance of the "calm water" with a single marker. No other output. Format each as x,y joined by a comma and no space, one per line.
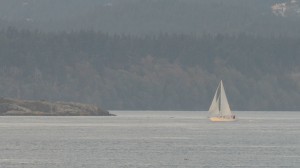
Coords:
151,140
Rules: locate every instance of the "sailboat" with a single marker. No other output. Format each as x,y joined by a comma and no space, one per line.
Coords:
219,109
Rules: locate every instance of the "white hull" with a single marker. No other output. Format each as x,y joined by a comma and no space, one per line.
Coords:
220,119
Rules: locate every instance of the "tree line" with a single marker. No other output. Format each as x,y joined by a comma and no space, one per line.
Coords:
151,72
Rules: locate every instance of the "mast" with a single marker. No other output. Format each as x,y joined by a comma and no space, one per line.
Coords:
220,95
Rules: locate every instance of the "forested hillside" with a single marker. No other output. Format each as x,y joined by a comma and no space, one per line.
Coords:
153,72
152,16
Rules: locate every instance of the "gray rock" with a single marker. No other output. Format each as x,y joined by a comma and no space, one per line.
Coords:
45,108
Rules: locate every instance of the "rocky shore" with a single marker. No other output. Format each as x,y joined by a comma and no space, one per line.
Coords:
15,107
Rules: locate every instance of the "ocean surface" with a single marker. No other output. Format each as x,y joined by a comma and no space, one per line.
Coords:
151,139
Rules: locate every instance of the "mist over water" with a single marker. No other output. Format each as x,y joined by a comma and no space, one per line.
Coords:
151,139
150,54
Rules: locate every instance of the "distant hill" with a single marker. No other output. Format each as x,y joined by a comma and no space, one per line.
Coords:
153,16
152,54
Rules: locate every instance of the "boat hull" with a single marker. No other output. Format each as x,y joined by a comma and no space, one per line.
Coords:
219,119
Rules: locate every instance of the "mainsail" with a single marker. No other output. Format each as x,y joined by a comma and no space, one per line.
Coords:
219,105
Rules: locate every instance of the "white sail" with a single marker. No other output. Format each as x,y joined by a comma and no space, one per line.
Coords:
219,105
224,109
214,108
